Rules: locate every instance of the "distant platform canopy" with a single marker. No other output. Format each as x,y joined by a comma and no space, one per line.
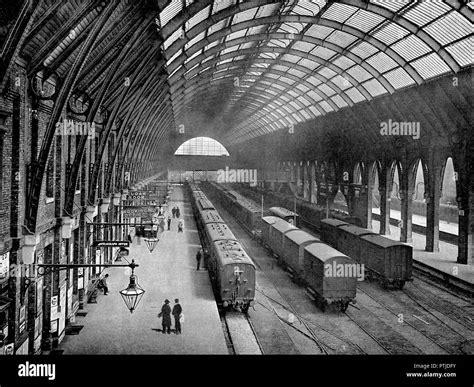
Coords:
201,146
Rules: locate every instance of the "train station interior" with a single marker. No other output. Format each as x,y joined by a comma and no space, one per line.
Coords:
333,117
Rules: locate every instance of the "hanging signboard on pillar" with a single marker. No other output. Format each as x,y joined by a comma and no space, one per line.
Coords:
110,244
4,265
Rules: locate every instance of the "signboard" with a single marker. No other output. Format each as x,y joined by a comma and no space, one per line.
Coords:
62,309
137,211
54,307
54,326
80,278
110,244
4,265
39,295
69,302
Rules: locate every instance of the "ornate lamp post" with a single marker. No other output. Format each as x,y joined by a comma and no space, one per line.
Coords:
131,295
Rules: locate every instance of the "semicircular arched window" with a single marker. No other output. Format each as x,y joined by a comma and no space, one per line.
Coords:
201,146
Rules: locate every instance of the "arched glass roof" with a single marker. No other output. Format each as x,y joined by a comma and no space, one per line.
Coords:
201,146
266,65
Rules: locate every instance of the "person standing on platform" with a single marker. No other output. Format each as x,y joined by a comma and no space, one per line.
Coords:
180,225
162,225
177,310
165,315
169,222
198,258
104,285
177,212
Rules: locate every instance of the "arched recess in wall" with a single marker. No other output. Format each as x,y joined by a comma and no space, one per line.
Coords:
375,190
357,176
448,203
395,199
419,201
201,146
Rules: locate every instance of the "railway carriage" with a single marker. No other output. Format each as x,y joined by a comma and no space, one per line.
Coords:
329,232
277,234
331,274
248,213
311,214
204,203
390,261
210,216
285,214
267,229
232,273
293,250
346,218
348,241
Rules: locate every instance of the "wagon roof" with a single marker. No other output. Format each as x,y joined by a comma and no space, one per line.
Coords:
211,216
219,231
282,211
205,203
356,230
300,237
231,252
284,226
272,219
323,252
333,222
379,240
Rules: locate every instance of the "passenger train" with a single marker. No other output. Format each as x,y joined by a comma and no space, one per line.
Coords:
231,270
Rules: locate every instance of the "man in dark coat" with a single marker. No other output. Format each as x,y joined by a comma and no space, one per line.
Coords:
165,314
198,258
177,212
177,313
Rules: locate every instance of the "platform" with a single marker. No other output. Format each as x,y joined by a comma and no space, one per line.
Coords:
444,260
168,273
444,226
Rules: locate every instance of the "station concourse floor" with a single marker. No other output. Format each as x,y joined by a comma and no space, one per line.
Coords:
443,260
168,273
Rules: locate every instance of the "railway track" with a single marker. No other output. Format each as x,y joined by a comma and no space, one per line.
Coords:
308,326
426,299
389,340
344,342
423,321
239,333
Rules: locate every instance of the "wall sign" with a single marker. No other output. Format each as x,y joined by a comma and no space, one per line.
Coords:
4,265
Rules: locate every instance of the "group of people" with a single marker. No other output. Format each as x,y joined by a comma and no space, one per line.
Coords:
166,313
175,211
180,221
